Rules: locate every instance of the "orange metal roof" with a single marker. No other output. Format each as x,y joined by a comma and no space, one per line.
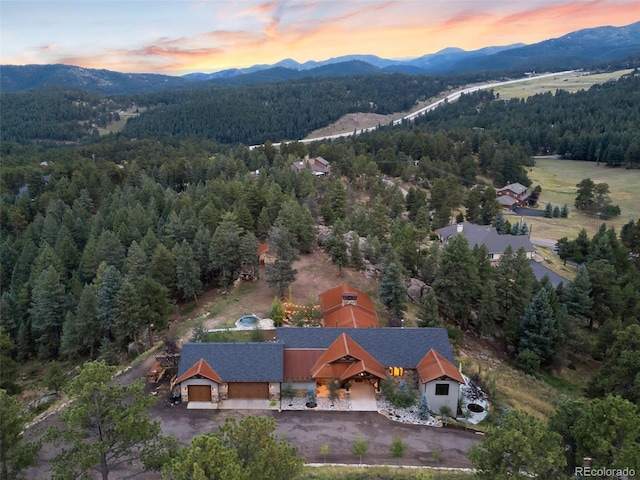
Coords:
202,368
262,248
361,315
433,366
345,351
298,363
350,316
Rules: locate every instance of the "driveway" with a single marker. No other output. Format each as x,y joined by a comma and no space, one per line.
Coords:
528,212
309,430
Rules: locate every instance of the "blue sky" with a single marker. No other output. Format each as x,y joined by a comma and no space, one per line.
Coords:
177,37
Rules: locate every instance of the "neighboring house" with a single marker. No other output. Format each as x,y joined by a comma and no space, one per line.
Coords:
489,236
513,195
263,254
318,165
347,307
312,357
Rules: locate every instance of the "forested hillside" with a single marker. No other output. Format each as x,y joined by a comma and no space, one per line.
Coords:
600,124
107,236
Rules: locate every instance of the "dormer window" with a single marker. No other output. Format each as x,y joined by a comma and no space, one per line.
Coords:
349,298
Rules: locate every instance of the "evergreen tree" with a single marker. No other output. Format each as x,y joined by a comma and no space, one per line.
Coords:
280,274
538,329
48,304
556,212
105,425
136,265
499,223
457,284
337,246
548,210
423,408
514,281
206,458
393,293
82,330
162,269
577,296
249,251
129,315
488,309
564,212
188,272
520,447
9,371
224,254
261,454
428,315
108,288
355,257
15,453
334,202
473,206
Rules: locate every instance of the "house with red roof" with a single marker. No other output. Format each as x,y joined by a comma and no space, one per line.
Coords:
312,357
347,307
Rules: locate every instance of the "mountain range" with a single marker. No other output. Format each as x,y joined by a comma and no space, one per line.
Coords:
580,49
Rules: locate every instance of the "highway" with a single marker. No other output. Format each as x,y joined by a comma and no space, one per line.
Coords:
452,97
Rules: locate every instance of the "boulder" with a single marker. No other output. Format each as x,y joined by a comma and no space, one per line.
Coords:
416,289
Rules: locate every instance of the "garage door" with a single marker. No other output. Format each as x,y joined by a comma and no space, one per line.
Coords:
199,393
249,390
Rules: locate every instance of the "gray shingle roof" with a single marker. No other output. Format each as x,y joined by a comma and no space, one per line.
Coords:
514,187
487,235
398,347
237,362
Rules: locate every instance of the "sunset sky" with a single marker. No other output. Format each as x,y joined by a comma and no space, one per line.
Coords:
177,37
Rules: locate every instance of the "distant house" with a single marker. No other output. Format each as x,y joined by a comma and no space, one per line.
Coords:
513,195
318,165
263,254
488,236
313,357
347,307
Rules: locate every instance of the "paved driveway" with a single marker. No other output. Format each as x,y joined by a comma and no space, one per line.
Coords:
309,430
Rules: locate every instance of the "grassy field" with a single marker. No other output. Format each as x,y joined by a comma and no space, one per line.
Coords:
572,82
558,179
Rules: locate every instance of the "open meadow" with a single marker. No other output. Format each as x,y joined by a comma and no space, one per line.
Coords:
558,179
570,82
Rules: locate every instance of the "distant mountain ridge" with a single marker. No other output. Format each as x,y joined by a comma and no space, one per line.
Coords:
579,49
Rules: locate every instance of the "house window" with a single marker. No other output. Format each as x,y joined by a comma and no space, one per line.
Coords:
442,389
396,371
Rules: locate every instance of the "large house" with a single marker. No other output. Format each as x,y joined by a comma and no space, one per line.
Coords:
312,357
488,236
347,307
513,195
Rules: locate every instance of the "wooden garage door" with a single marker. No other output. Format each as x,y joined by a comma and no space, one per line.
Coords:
249,390
199,393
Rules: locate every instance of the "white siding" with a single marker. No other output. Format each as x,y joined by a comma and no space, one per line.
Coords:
437,401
